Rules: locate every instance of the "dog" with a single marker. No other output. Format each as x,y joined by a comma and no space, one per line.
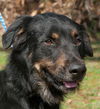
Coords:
46,61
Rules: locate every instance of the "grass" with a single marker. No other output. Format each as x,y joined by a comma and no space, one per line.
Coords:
88,97
3,58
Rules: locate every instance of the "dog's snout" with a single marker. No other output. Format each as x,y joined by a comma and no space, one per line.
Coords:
77,69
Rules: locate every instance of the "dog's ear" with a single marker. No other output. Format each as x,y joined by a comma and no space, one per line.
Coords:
85,48
15,29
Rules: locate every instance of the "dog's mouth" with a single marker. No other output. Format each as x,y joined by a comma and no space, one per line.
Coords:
70,85
61,84
67,86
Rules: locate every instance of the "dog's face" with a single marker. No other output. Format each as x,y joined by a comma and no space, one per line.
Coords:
53,54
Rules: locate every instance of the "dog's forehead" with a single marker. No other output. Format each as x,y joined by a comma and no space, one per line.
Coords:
46,24
49,25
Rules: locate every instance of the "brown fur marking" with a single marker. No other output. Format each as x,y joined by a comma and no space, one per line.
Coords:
74,33
52,67
42,63
55,35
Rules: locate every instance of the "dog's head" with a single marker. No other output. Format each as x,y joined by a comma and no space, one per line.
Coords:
54,52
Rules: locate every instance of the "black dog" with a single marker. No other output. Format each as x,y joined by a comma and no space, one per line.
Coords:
46,61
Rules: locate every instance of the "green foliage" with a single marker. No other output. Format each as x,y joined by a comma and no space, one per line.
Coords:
3,59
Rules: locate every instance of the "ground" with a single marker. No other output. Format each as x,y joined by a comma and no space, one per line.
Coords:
88,97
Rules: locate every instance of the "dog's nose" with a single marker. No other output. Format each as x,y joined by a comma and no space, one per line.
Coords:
77,69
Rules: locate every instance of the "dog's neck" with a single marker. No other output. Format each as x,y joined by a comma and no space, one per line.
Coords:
37,103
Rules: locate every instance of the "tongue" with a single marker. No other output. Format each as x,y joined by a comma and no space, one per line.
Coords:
70,84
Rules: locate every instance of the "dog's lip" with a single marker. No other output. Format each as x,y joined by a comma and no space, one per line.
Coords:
70,85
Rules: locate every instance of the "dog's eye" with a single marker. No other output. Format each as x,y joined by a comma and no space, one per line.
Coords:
77,41
49,42
76,38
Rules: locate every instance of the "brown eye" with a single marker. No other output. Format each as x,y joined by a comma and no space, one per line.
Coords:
77,41
49,42
76,38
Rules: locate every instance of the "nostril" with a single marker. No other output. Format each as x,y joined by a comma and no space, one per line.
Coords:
76,69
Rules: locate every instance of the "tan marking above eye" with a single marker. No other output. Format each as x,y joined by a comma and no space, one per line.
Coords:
74,33
55,35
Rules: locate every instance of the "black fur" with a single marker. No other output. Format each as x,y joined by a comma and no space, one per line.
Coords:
42,59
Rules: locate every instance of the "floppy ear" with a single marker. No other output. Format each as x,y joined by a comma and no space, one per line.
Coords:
85,48
17,27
